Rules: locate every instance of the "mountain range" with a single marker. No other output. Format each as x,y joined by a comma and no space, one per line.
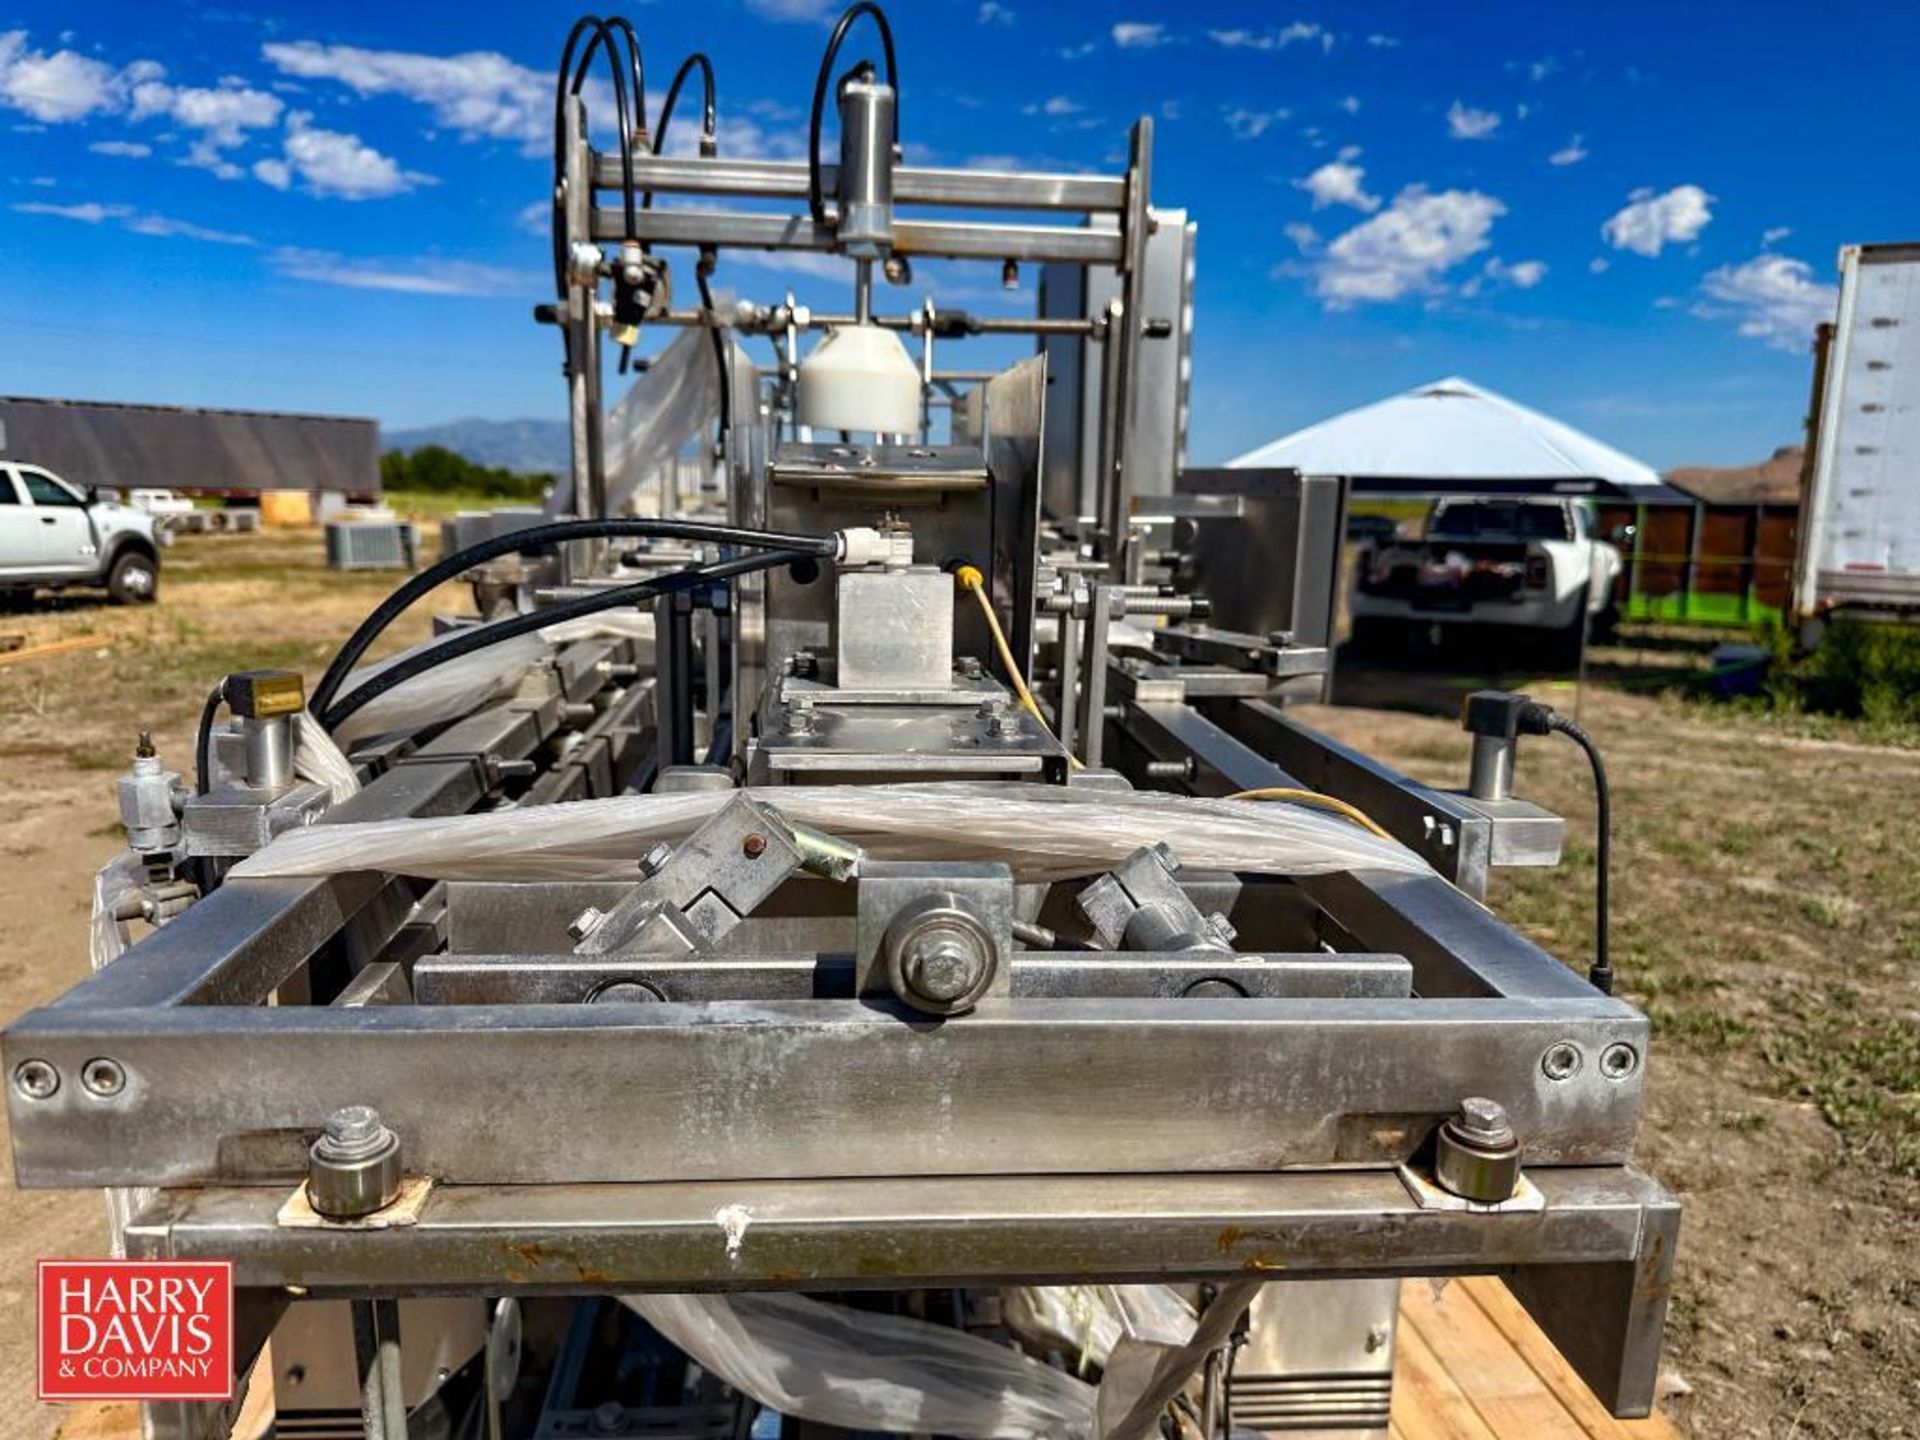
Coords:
528,446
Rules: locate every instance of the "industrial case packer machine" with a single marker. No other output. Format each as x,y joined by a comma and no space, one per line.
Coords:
843,895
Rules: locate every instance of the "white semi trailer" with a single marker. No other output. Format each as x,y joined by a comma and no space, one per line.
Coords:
1860,530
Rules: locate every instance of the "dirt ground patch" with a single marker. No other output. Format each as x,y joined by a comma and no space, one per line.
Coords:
1767,915
67,725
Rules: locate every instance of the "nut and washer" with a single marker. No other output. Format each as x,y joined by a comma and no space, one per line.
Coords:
940,958
103,1077
36,1079
655,860
586,922
353,1169
1476,1155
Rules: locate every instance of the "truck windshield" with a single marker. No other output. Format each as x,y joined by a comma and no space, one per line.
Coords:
1499,519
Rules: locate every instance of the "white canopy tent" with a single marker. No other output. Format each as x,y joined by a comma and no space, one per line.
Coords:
1453,435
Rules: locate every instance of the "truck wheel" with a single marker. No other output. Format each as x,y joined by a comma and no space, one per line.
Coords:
133,580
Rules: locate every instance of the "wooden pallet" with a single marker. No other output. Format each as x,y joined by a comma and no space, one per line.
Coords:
1470,1365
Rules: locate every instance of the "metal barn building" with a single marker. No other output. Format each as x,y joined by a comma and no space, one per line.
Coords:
233,453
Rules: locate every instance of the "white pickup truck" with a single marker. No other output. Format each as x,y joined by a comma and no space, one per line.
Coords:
54,534
1531,562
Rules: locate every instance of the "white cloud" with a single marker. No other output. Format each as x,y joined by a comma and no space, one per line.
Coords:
1774,236
1339,183
1774,299
220,116
411,277
1599,265
1407,247
335,164
1466,123
92,212
1305,238
1496,274
1541,69
1252,124
1384,42
1649,222
53,88
1300,32
1139,34
1350,104
129,149
1058,106
481,94
992,12
1571,153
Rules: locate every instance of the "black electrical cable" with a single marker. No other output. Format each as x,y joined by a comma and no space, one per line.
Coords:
534,536
465,642
623,115
1600,974
203,739
816,200
709,122
569,80
636,73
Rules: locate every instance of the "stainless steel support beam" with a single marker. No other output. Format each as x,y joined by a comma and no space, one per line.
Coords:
859,1233
573,979
912,184
737,1089
944,239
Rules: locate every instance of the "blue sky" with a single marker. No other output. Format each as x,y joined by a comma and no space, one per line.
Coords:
1626,214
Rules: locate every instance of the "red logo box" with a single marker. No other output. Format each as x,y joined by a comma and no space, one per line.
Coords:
136,1329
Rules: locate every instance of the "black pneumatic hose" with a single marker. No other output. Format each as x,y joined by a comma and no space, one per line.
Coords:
533,537
1601,973
816,199
480,637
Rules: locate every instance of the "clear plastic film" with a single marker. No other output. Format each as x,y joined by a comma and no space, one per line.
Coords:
316,758
865,1371
1042,832
471,681
674,400
1086,1322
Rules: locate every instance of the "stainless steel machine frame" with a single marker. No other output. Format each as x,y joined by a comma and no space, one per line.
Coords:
1259,1114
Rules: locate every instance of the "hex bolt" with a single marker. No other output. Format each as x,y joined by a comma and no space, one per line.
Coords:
1561,1062
1163,852
1476,1155
653,862
1484,1121
1222,927
968,667
36,1079
799,716
940,958
586,922
941,969
1618,1061
1004,724
754,846
353,1169
103,1077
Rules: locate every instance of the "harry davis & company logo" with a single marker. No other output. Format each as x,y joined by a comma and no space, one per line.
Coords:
136,1329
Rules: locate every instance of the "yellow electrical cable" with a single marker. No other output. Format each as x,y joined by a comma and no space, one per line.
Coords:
1319,802
972,580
